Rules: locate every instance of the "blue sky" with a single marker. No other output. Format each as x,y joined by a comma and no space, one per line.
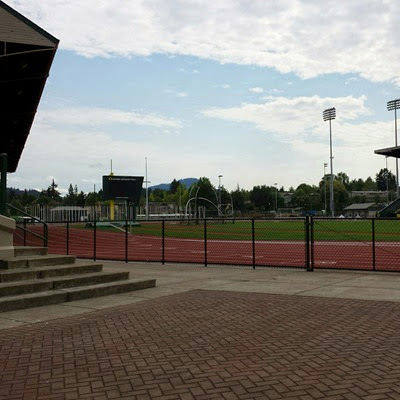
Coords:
201,88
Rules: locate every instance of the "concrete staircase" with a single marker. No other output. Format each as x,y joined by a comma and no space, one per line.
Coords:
34,278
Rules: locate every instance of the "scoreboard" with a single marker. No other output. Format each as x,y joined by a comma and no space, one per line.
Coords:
122,187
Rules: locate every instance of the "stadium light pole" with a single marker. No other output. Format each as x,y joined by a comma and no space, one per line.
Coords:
325,165
147,189
219,192
276,197
329,114
387,182
395,105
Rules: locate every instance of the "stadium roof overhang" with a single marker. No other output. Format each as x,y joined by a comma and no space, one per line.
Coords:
389,152
26,55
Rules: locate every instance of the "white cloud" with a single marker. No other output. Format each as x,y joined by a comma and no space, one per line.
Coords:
295,126
350,80
82,156
291,150
273,91
96,116
308,38
76,146
175,93
226,86
256,90
292,117
51,178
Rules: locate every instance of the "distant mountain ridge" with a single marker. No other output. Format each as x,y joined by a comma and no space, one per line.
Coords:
165,186
20,192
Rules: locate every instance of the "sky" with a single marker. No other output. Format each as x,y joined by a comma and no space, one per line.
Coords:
207,88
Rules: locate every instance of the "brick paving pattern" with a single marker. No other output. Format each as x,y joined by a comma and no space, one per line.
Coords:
209,345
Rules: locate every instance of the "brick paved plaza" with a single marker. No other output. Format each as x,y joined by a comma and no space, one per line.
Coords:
209,345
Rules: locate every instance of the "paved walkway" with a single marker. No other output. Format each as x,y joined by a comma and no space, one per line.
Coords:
212,333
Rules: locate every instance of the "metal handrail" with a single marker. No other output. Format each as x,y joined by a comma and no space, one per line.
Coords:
45,227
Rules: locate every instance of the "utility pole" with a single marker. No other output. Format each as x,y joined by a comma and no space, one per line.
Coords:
147,190
325,165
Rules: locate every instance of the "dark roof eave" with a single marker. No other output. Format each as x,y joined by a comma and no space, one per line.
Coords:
43,83
389,152
30,23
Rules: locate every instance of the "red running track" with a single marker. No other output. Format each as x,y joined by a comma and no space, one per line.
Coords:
112,246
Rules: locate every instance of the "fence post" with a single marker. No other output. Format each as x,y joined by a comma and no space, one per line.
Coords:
163,242
307,229
67,237
126,240
94,240
253,240
373,245
205,242
311,268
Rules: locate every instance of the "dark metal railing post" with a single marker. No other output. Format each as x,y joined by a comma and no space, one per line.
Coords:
253,241
307,232
126,240
67,237
163,242
24,223
22,226
205,242
94,240
373,245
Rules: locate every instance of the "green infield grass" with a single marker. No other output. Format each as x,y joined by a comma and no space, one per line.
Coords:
324,229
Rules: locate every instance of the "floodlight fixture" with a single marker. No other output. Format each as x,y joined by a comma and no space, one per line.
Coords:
395,105
329,114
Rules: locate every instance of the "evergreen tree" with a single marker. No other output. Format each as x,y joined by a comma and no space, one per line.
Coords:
385,180
173,187
370,184
52,192
70,198
81,199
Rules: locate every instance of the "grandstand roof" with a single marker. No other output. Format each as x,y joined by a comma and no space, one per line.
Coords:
26,55
389,152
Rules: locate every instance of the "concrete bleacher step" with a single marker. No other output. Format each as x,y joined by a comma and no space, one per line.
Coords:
60,282
18,274
104,289
21,287
29,251
36,261
9,303
88,279
45,298
34,278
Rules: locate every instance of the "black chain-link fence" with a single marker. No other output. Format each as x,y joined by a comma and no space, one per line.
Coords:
363,244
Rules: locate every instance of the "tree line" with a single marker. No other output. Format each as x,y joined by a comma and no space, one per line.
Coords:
261,198
52,197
